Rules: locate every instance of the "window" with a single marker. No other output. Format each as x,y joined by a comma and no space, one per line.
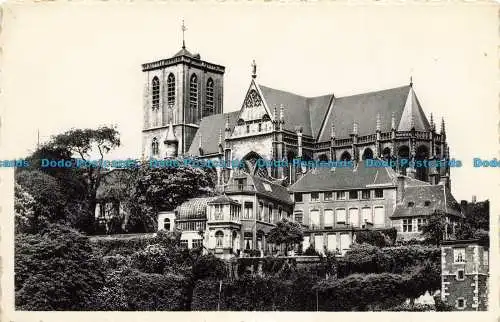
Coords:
166,224
411,204
155,146
353,194
248,128
340,215
354,217
328,196
298,197
260,127
340,195
156,93
460,275
427,203
197,243
171,89
379,193
241,184
248,212
270,217
298,217
193,99
421,222
379,216
184,243
209,104
314,196
461,303
407,228
328,218
365,194
459,255
261,211
267,187
485,259
280,213
366,212
314,218
218,212
219,236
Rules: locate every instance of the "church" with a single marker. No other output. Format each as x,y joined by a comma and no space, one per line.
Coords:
184,116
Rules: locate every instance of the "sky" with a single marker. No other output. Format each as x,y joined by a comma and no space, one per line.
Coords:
78,64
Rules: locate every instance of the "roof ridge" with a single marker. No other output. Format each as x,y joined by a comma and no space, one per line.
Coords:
373,92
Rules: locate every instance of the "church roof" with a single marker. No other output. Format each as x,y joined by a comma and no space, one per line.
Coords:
344,178
437,197
208,133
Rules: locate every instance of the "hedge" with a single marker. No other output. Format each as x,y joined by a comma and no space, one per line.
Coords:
107,245
255,294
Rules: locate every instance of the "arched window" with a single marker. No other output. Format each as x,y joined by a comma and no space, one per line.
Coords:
156,93
386,154
193,99
166,224
219,236
171,89
346,156
367,154
209,104
155,146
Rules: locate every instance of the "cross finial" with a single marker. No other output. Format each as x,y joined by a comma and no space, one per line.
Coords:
411,81
183,28
254,69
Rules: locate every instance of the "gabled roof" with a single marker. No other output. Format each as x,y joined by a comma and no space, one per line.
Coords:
209,130
438,197
358,177
278,192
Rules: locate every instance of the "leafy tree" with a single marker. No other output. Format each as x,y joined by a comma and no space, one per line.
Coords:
436,228
165,188
55,270
286,232
24,205
49,198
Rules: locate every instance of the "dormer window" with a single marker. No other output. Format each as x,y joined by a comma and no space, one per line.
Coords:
267,186
411,204
427,203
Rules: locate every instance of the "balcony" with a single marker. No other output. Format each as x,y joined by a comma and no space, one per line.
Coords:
219,217
239,188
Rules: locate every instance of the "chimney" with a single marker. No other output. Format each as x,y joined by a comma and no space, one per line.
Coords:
400,189
473,199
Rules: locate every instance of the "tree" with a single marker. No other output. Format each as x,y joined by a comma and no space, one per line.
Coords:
165,188
287,233
436,228
55,270
24,205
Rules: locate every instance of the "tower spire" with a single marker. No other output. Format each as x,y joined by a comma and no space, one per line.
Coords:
433,126
411,81
183,28
443,130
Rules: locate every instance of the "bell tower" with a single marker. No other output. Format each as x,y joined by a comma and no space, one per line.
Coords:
180,91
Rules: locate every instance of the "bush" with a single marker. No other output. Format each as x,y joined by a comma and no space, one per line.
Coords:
55,270
113,245
380,238
310,251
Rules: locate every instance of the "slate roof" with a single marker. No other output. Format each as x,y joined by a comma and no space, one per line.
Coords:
184,52
327,179
278,192
316,115
439,196
209,130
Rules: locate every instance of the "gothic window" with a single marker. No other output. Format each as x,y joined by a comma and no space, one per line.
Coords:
367,154
219,236
209,104
193,99
346,156
171,89
156,93
155,146
252,99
